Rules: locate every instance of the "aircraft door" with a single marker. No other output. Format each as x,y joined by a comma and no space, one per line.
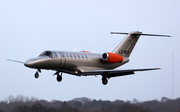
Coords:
63,60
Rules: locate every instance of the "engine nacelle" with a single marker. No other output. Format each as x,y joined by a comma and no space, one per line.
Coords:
111,57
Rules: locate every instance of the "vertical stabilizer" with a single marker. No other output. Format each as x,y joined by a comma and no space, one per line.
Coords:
125,48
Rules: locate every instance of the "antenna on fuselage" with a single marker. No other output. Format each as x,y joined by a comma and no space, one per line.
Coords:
74,49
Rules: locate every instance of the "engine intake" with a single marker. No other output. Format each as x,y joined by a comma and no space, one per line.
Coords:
111,57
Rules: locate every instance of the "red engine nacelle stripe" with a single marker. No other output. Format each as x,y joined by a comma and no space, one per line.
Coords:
113,58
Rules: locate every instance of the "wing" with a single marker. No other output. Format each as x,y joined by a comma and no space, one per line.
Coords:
15,61
116,72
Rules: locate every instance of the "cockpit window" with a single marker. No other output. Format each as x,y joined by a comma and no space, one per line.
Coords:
47,53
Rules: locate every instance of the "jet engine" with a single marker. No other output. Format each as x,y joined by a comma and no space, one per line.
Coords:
111,57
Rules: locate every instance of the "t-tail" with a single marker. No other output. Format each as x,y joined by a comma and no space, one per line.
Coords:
126,47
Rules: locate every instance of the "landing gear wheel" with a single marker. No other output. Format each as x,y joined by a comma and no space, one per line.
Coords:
104,81
36,75
59,78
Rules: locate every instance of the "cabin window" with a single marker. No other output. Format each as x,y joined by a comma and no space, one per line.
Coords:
78,56
62,55
66,55
82,57
70,55
86,57
55,55
74,55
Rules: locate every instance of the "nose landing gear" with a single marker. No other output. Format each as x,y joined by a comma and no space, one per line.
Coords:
36,75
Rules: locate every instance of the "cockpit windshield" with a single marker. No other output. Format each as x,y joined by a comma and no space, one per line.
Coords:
49,54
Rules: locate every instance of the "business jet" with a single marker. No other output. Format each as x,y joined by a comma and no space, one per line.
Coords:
86,63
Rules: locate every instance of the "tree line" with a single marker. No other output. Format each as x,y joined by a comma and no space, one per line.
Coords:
22,103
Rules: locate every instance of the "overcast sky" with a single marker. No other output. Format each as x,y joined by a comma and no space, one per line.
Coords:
30,27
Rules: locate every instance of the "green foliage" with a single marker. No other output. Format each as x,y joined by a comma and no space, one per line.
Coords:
20,104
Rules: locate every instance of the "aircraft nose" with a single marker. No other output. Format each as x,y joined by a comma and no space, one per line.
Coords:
32,62
28,63
36,62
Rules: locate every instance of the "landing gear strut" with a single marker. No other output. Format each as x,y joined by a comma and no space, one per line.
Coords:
104,80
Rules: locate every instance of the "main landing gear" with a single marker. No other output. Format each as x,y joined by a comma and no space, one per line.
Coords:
104,80
59,77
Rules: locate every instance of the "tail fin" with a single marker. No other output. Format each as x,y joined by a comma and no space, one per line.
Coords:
125,48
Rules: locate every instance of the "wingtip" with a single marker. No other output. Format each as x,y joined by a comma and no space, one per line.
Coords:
8,59
15,61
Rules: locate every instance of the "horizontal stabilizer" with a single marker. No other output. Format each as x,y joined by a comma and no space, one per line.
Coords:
141,34
119,33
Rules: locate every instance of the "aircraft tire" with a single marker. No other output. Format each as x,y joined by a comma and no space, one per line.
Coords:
59,78
104,81
36,75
